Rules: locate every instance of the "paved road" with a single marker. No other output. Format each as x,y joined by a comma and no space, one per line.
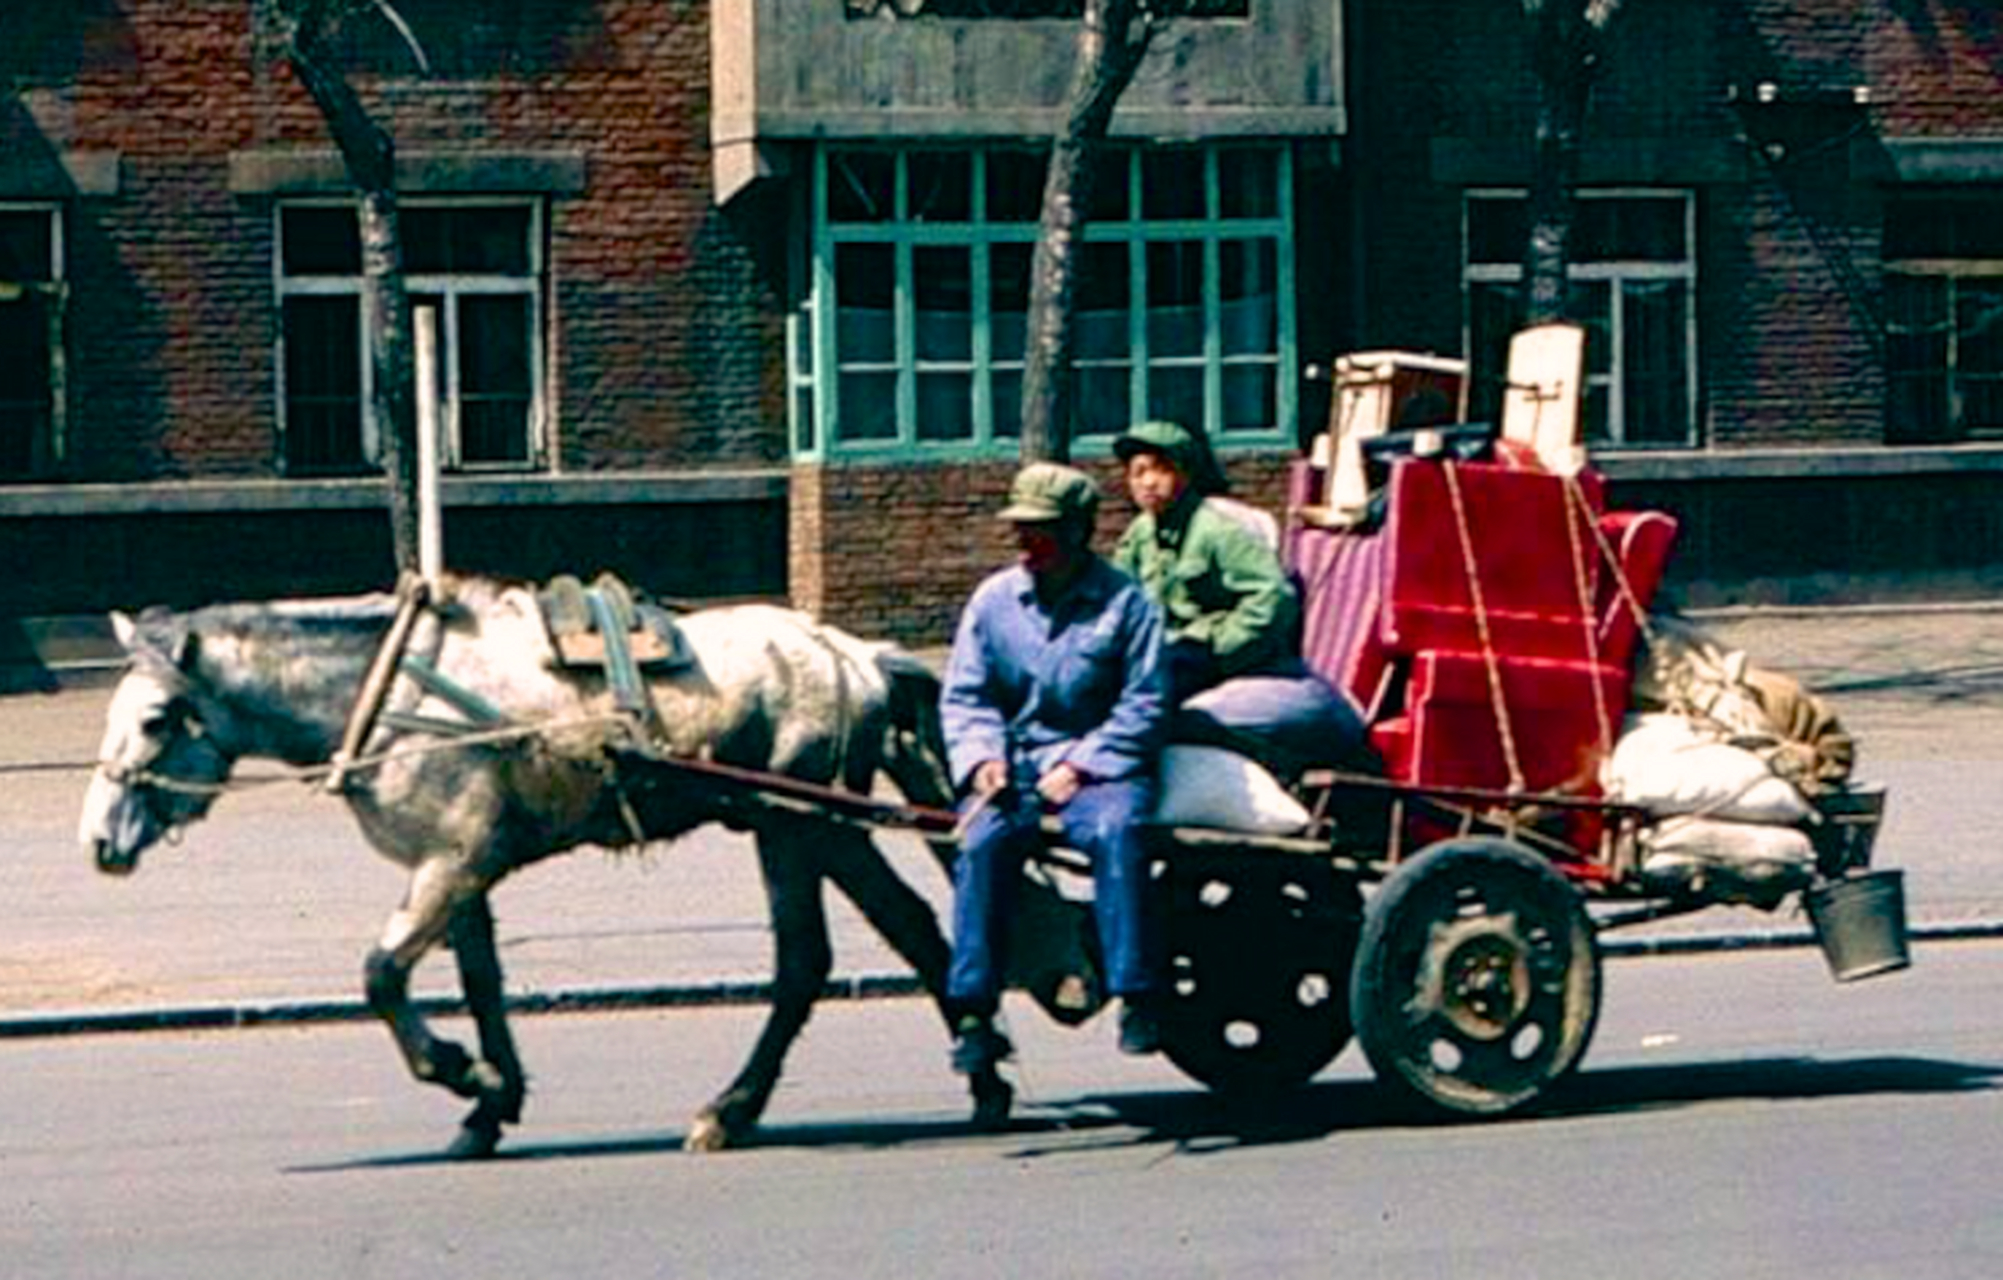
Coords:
1736,1117
275,898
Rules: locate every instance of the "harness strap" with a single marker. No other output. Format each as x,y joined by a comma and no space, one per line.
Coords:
481,713
412,595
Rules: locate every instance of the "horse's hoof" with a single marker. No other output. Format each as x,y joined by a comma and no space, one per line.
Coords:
475,1142
993,1100
707,1134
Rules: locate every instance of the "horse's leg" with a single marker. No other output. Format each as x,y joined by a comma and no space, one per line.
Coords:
438,887
803,957
906,921
472,932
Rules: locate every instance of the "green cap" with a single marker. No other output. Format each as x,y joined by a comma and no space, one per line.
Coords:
1046,491
1189,452
1170,439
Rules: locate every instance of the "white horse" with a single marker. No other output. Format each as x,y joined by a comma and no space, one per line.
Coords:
462,805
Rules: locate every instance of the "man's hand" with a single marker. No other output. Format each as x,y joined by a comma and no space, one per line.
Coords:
990,776
1061,785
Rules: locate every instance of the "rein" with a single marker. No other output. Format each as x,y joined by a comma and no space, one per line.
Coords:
358,764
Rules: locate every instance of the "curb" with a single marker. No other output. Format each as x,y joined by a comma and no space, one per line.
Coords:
707,995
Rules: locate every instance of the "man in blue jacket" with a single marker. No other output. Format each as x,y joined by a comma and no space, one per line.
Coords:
1054,703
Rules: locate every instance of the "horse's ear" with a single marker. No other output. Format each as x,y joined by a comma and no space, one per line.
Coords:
155,635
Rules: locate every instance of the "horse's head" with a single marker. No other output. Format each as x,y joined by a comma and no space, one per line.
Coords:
159,766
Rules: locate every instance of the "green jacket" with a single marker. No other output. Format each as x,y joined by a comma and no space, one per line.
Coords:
1218,583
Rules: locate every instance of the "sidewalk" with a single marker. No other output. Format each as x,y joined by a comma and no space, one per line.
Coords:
265,911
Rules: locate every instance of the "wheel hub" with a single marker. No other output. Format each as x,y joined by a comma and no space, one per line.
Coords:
1476,975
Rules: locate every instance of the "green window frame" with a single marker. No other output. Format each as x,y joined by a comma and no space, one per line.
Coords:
478,265
918,286
32,298
1633,286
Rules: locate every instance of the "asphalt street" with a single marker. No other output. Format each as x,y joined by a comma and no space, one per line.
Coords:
264,911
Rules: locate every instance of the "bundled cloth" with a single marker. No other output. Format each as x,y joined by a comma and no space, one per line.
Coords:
1686,671
1728,827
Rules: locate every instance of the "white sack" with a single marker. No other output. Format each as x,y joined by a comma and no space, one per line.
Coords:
1744,845
1669,764
1212,787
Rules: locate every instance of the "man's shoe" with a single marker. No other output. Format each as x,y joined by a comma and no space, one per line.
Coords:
1140,1032
978,1047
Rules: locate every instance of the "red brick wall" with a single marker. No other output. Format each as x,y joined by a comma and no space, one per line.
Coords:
892,552
666,346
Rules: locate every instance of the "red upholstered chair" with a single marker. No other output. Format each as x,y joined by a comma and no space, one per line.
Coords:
1640,542
1538,582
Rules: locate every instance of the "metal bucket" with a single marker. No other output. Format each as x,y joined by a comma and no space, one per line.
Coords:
1860,921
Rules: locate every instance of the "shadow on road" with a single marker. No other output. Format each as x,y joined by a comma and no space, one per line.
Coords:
1196,1123
1193,1122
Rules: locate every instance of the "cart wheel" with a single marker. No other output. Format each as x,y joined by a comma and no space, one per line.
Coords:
1477,980
1258,949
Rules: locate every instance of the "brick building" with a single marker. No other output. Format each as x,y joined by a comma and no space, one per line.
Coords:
729,294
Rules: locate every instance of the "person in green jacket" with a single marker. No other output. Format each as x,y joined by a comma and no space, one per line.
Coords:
1230,608
1232,613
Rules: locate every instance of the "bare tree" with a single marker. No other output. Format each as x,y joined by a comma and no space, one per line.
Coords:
1111,44
369,152
1566,38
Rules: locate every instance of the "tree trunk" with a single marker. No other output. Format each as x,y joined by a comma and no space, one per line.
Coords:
1111,44
370,156
1564,54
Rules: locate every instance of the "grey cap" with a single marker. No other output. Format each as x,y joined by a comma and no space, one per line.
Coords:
1047,491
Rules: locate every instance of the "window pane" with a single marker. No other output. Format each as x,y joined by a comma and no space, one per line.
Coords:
1498,231
24,383
1176,393
1005,385
473,240
1008,299
869,406
323,386
1249,289
1916,344
494,381
945,406
1655,390
1591,305
1015,185
865,288
1629,230
1251,397
1979,353
1495,312
1248,182
1105,401
1102,303
1943,227
320,242
27,250
944,286
861,186
940,186
1172,184
1175,298
1112,184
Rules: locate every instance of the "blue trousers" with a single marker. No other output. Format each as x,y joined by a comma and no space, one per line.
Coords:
1101,822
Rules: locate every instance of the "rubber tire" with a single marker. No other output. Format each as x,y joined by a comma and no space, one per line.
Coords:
1473,886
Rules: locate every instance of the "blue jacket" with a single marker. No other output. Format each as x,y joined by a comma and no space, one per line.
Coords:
1081,681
